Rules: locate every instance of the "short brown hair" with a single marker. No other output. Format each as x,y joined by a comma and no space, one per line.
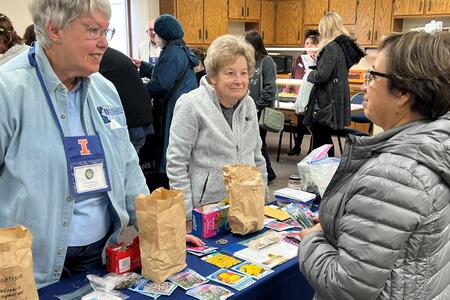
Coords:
419,63
7,32
226,49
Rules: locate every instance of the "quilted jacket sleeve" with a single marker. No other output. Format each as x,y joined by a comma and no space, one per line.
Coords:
378,219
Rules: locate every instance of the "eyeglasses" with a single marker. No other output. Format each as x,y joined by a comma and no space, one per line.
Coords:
95,32
371,75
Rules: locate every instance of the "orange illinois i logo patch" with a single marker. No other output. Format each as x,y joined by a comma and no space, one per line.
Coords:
84,149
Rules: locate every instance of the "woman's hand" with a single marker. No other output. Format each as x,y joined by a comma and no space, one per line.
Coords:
307,231
194,240
136,62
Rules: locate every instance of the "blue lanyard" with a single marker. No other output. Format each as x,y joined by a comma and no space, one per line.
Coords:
33,62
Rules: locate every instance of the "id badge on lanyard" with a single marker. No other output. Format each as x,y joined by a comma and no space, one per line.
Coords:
86,165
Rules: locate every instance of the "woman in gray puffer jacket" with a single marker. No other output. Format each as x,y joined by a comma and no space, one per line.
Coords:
384,230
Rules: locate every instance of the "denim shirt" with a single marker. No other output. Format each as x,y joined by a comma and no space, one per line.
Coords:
34,184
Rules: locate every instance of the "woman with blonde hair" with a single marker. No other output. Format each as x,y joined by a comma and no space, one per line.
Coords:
329,101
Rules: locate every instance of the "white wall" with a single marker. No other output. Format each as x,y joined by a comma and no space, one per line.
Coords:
17,12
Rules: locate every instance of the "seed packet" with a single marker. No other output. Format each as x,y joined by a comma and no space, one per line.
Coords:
301,214
292,237
293,223
279,226
187,279
209,292
263,240
200,250
251,269
232,279
221,260
146,286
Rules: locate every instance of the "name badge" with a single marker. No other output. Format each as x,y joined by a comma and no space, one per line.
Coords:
86,165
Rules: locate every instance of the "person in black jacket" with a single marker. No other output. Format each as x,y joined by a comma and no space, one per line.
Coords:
329,101
120,70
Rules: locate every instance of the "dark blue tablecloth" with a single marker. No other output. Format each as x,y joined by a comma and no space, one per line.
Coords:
286,282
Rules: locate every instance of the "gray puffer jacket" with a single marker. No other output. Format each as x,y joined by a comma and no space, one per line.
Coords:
386,218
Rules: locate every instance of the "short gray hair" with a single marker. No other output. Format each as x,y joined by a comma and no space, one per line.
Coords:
61,13
225,50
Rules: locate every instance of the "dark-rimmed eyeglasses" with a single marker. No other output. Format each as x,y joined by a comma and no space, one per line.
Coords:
371,75
95,32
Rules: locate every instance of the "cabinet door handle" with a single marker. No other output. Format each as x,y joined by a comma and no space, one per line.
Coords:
242,11
376,35
420,6
368,36
199,34
206,34
262,34
298,35
248,11
429,5
324,12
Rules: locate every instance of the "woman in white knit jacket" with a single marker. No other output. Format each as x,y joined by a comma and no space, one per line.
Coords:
215,125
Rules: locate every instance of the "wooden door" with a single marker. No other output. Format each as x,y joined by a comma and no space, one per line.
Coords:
268,15
288,23
346,9
215,22
437,7
314,10
253,9
236,9
190,15
409,7
364,23
382,20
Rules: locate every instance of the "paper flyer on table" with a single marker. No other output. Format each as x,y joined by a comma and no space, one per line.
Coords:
270,256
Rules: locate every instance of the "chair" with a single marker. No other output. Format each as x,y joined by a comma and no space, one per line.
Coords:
360,117
292,130
357,118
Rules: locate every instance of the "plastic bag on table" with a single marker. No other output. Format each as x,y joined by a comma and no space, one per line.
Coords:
317,169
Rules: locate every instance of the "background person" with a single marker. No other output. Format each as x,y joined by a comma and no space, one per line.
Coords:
215,125
329,101
385,217
29,36
10,42
149,51
298,71
120,70
263,87
74,204
172,76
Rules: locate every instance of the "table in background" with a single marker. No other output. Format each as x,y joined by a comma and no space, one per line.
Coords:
286,282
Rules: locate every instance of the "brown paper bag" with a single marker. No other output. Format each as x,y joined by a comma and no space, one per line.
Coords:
16,264
162,233
246,193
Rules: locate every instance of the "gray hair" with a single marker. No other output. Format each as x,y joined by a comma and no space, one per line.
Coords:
61,13
225,50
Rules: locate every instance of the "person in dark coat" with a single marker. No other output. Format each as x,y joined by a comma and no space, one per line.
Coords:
172,76
120,70
329,101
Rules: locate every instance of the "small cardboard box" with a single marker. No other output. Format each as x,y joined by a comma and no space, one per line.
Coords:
119,260
210,220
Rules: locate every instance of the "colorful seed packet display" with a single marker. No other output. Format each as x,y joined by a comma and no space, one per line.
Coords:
301,214
150,288
209,292
188,279
221,260
278,226
200,250
232,279
251,269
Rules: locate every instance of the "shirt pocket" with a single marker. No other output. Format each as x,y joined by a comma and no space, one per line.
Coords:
116,146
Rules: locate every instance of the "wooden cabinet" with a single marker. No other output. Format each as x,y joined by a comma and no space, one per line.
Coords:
346,9
244,9
313,11
421,7
373,21
267,23
288,23
202,20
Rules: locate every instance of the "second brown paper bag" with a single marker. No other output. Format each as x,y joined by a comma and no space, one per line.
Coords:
162,233
246,194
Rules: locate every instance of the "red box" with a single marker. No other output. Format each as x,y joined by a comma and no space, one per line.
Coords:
120,260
